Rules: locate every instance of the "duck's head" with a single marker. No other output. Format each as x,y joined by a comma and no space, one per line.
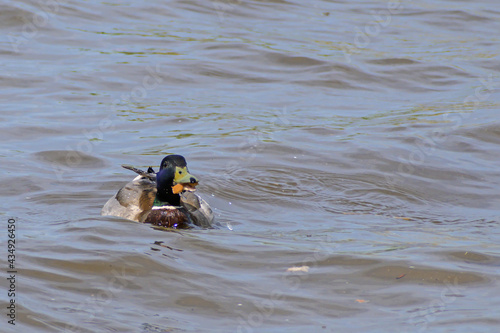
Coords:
173,178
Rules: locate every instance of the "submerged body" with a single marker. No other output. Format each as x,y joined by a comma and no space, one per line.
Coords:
164,199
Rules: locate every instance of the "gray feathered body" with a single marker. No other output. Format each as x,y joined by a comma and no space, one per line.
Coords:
134,201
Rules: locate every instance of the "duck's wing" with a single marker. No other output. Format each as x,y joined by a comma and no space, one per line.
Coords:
135,200
200,212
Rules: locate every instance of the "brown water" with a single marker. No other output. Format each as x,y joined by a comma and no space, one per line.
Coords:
369,162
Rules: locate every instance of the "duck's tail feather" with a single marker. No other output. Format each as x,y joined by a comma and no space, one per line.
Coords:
148,174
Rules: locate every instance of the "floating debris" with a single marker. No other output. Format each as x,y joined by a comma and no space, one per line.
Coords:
298,269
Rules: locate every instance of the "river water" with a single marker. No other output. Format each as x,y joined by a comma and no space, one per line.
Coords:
350,151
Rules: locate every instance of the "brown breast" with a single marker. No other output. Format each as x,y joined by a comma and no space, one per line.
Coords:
169,218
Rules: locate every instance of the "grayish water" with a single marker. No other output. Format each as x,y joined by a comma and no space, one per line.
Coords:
357,143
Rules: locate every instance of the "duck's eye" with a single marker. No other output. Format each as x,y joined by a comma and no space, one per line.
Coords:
180,172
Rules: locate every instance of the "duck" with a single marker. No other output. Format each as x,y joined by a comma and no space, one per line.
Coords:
165,198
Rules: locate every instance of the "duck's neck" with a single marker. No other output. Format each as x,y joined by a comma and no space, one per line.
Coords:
165,200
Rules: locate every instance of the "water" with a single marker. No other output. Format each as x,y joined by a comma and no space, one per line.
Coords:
349,150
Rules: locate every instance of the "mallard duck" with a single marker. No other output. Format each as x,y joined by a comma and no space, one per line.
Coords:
164,199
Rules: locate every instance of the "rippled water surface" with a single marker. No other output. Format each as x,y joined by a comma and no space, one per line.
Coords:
350,151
